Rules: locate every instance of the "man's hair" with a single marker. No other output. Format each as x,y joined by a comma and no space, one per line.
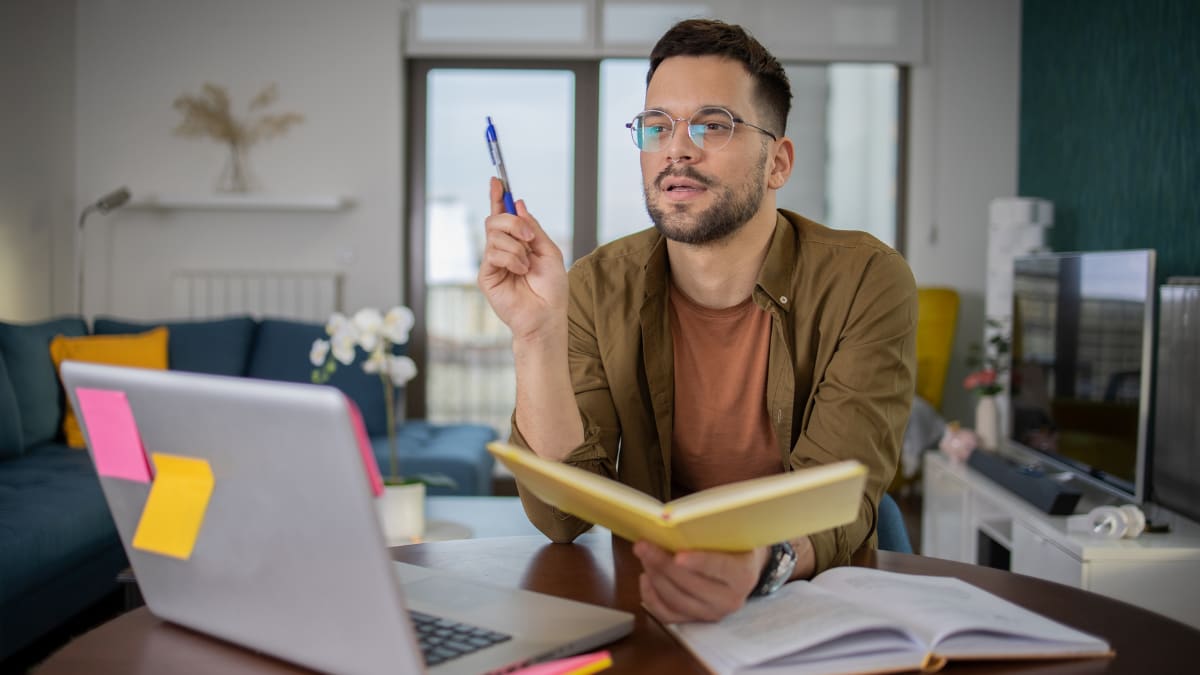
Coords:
710,37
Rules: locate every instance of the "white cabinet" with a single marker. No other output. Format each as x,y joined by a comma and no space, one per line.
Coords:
943,527
1040,557
968,518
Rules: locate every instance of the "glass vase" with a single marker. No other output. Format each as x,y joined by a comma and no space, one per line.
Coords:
236,176
987,422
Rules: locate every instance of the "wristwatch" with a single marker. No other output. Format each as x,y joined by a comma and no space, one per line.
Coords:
781,560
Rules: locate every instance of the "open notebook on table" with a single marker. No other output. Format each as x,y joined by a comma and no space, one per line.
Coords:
860,620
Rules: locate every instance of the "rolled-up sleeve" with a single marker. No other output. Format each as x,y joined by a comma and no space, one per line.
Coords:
598,452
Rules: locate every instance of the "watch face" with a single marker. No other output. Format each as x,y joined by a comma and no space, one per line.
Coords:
780,564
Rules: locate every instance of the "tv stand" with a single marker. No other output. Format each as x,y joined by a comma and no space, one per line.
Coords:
970,518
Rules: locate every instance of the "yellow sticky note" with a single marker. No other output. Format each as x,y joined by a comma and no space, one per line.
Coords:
175,509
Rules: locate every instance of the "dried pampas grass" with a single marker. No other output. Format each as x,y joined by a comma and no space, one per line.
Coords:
209,114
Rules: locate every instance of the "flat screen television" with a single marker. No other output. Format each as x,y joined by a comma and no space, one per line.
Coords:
1082,349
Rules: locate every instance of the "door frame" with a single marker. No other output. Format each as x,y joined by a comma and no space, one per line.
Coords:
586,173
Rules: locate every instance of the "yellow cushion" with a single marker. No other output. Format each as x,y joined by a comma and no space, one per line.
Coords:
937,315
143,350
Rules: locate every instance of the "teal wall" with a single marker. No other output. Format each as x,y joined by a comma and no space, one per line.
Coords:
1110,124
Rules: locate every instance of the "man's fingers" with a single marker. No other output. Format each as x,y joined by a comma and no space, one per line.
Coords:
496,196
539,241
504,242
495,259
655,604
689,584
652,557
522,227
677,602
730,568
502,254
513,226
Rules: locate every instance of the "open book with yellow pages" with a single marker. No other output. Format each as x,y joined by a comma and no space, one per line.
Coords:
862,620
734,517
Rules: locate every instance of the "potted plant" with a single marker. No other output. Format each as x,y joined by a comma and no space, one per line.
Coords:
990,363
210,114
402,507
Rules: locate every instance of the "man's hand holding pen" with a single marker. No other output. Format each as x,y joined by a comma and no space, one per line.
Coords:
522,273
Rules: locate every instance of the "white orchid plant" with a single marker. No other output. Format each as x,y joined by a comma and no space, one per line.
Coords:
376,334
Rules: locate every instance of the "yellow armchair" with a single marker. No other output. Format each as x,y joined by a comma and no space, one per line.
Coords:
937,315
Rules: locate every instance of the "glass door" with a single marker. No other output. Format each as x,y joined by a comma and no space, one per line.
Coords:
463,350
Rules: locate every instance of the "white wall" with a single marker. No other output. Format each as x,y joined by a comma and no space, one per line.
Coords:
37,157
336,63
340,65
963,137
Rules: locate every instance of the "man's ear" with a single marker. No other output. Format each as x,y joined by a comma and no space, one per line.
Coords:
780,168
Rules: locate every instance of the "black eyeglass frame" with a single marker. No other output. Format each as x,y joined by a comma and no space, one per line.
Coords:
734,118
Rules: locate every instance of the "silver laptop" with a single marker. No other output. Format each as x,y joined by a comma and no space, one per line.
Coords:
289,557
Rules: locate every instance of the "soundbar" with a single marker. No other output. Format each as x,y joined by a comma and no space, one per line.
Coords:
1045,493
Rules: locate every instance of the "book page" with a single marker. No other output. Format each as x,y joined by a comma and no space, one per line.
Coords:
801,622
956,618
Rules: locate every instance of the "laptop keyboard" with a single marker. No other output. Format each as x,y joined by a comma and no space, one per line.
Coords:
443,639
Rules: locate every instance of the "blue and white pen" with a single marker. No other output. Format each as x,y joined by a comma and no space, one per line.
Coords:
498,162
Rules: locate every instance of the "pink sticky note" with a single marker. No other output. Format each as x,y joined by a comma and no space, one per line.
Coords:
574,665
116,443
364,448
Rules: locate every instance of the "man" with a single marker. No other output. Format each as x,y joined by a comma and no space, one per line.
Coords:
731,341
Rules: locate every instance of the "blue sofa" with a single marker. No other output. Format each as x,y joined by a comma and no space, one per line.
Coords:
59,550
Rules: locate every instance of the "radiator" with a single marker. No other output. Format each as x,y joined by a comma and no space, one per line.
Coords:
298,295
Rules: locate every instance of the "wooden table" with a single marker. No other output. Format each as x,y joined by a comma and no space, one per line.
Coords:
603,570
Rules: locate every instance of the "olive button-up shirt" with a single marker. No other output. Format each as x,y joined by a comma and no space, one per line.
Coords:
840,375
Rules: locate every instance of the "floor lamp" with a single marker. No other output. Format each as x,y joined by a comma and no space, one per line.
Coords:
113,200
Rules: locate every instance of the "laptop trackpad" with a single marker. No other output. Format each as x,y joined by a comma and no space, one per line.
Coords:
453,594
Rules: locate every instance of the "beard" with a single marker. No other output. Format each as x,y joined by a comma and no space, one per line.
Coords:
733,207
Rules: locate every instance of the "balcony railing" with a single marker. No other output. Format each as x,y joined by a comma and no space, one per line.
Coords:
470,373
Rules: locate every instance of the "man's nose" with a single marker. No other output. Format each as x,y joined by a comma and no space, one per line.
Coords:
681,148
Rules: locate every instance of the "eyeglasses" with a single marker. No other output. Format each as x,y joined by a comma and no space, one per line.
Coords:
709,128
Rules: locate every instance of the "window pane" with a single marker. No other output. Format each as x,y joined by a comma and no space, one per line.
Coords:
863,135
844,125
622,206
469,370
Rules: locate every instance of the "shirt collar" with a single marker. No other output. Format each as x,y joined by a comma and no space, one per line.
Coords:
656,266
775,278
779,267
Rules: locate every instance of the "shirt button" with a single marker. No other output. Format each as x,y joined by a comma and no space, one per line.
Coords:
783,299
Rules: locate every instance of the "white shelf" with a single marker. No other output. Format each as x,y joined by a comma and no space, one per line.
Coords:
248,202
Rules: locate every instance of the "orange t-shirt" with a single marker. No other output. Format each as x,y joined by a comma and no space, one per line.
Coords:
721,432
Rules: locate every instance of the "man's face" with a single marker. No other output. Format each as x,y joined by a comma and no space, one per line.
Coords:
696,195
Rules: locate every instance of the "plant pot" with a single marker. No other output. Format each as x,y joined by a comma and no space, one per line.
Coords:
987,422
402,512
